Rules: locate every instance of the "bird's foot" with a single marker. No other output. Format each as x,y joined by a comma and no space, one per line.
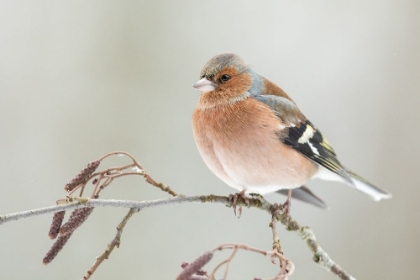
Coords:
285,207
286,210
234,198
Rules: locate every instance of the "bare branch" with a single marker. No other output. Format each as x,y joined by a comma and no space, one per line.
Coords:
276,242
320,256
282,275
161,186
114,243
305,233
88,202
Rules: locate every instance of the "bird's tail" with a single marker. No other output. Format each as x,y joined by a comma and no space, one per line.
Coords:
368,188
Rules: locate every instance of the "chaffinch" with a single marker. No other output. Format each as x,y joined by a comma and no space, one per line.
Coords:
253,136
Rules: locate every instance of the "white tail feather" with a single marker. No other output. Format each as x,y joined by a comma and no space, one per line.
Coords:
359,183
368,188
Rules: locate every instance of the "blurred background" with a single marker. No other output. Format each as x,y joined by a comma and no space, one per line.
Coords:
79,79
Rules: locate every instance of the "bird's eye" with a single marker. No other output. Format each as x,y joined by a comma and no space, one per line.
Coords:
225,78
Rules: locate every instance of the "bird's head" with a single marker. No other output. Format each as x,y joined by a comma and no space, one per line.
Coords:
226,75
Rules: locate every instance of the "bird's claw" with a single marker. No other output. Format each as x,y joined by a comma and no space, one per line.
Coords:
234,198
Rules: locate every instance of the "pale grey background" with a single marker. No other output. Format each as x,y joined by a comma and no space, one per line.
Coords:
82,78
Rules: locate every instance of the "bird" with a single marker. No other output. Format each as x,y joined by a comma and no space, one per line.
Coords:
253,136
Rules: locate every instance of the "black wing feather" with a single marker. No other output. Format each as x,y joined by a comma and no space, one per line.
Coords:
315,148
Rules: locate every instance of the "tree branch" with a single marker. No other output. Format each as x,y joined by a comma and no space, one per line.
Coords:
114,243
319,255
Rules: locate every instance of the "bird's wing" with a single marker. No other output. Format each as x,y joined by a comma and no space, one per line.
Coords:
301,135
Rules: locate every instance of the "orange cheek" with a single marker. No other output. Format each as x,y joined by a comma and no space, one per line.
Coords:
238,85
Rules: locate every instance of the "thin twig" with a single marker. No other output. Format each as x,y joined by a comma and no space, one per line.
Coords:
305,233
282,275
276,242
276,239
225,262
161,186
121,153
115,242
81,180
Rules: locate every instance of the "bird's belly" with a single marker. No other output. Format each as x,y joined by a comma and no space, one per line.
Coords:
262,167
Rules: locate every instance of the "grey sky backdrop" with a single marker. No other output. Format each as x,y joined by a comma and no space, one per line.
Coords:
79,79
